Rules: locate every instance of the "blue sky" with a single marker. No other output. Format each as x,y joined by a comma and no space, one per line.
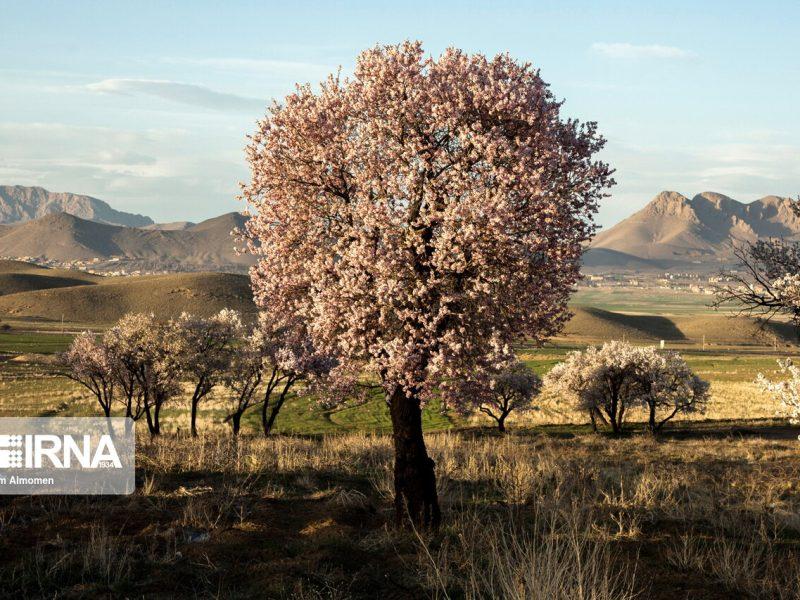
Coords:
147,104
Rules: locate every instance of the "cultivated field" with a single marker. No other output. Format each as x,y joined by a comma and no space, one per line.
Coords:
707,510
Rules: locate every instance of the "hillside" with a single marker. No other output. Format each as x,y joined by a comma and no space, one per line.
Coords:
64,238
16,277
675,230
595,324
20,203
110,298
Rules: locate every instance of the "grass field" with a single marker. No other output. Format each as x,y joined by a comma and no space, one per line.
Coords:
30,385
551,516
708,510
645,301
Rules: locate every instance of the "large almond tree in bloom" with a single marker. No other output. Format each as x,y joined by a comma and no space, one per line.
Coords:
416,219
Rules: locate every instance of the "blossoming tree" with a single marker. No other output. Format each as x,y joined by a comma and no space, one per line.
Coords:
203,351
244,376
289,357
787,392
766,283
610,380
147,351
509,386
88,362
416,217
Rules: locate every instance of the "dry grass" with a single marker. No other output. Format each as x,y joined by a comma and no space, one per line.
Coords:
527,516
165,295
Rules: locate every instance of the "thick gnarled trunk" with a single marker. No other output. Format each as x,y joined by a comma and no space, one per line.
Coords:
414,478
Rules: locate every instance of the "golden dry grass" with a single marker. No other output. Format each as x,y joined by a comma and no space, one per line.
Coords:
165,295
597,324
526,516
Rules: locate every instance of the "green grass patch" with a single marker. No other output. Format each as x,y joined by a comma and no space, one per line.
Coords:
34,343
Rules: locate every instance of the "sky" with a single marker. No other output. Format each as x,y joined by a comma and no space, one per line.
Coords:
147,104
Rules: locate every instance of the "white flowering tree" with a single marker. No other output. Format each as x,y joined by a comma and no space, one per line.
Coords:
766,283
609,380
203,352
787,392
146,350
244,376
88,362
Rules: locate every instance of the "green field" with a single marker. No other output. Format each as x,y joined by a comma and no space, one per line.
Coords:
25,342
643,301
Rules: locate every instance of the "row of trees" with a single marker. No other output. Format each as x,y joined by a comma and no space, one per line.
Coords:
142,363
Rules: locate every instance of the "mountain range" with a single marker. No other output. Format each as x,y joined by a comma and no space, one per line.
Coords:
699,233
66,238
20,203
671,232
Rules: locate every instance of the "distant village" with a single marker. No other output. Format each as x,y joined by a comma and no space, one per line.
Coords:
121,266
692,282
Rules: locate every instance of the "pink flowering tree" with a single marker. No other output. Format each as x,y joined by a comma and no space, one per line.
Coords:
510,386
290,358
146,350
417,216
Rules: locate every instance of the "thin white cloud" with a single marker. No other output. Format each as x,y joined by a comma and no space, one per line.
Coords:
167,174
633,51
185,93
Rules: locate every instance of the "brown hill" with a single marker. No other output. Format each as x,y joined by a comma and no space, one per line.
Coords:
595,324
721,329
16,277
63,237
702,230
20,203
112,297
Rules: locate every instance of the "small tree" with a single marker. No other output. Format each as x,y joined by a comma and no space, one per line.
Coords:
289,357
244,376
669,387
130,394
203,351
509,387
767,283
146,349
87,361
787,392
608,381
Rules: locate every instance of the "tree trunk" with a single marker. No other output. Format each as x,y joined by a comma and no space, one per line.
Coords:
651,424
414,477
156,421
236,420
149,415
276,408
264,418
501,424
195,402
